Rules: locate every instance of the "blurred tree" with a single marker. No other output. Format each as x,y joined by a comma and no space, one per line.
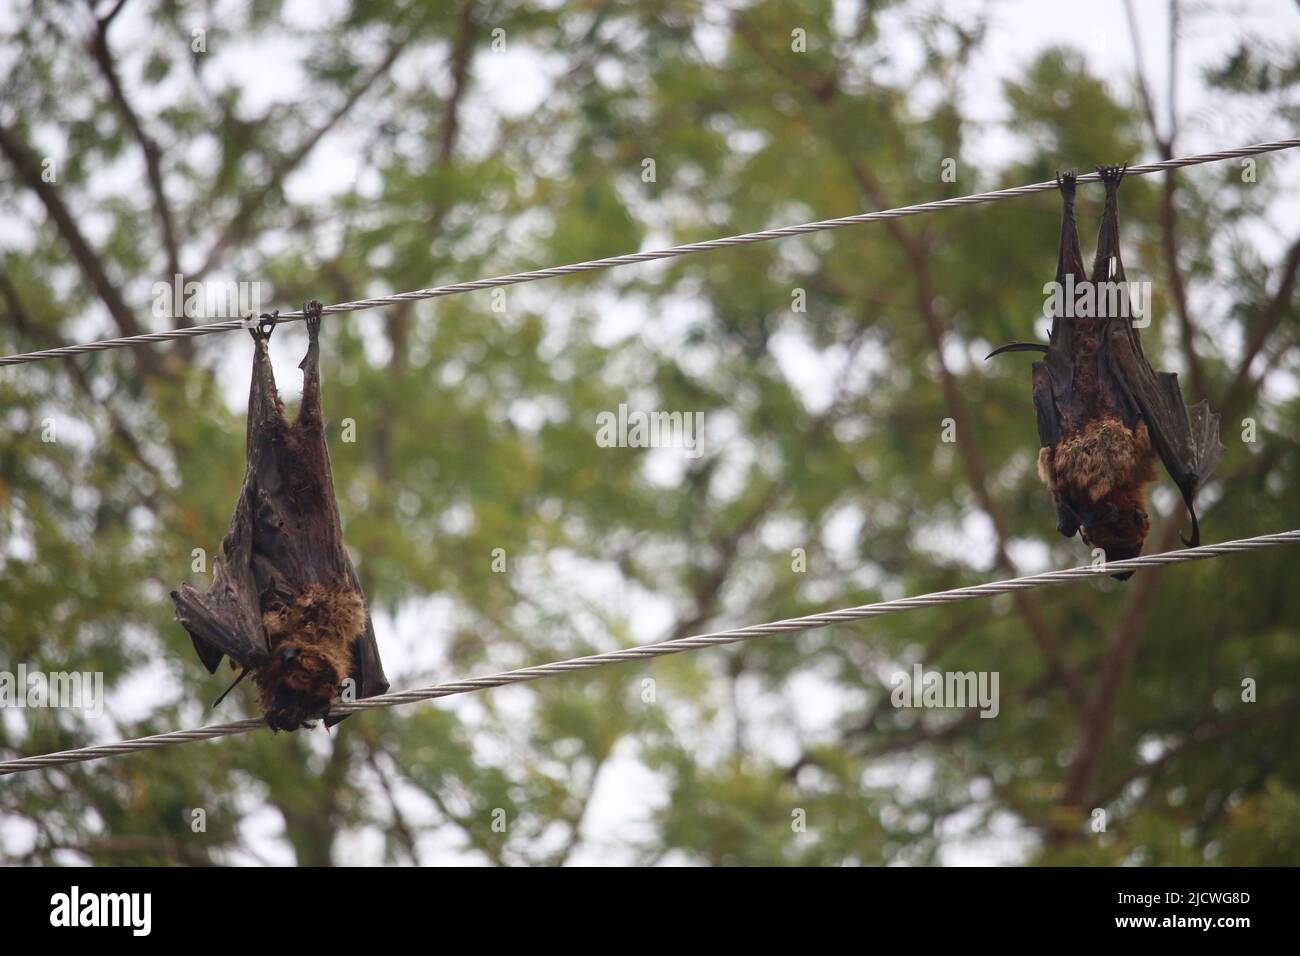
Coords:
186,137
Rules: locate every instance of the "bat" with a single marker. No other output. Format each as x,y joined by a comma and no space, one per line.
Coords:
285,603
1104,415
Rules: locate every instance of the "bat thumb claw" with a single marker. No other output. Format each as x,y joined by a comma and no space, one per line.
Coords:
1196,525
242,674
1018,347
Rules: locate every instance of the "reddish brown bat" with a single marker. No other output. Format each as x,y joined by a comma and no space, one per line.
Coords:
285,603
1104,415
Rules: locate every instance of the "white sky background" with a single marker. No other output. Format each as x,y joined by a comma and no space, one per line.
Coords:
513,83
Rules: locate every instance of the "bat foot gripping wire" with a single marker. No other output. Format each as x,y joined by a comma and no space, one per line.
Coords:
266,323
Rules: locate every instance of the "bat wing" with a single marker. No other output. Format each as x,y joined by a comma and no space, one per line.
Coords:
225,620
257,559
1054,376
1185,437
1053,390
1046,408
367,669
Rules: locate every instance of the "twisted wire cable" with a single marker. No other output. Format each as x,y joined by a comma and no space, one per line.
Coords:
690,248
664,648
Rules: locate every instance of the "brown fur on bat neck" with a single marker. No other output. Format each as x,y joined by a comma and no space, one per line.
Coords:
1103,469
285,602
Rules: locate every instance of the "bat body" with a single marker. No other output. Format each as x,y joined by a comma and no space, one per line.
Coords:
285,603
1104,415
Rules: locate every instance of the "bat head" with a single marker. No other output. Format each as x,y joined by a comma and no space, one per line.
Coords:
1119,526
311,655
298,685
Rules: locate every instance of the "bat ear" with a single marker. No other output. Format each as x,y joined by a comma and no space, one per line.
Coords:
1018,347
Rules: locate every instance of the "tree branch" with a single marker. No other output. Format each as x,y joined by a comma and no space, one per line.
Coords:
1168,206
404,833
240,225
1198,736
462,55
1277,309
103,56
1121,646
28,167
23,323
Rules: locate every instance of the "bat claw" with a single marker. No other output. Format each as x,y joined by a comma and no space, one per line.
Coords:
1065,182
242,674
1195,542
1018,347
312,312
266,324
1112,174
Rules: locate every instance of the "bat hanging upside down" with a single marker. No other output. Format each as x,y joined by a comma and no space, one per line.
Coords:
1104,415
285,603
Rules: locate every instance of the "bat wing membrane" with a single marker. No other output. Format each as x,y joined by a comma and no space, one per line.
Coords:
1185,437
227,619
1052,387
221,621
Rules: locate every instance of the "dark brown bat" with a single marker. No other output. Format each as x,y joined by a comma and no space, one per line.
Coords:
1104,415
285,603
